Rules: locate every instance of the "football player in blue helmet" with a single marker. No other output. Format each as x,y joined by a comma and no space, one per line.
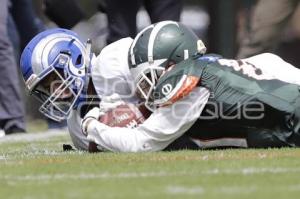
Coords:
55,66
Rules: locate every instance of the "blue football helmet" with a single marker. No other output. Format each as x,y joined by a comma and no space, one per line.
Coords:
55,66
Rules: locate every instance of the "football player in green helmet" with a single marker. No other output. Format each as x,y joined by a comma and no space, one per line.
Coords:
156,49
217,102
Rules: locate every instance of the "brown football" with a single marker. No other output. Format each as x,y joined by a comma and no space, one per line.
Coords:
125,115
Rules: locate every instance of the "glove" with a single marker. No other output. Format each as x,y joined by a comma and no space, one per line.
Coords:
110,102
93,114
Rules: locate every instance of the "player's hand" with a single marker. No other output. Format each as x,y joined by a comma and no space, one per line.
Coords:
93,114
110,102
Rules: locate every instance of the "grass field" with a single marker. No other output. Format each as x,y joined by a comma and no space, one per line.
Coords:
38,168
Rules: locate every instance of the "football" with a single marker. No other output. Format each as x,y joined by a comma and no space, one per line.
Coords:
125,115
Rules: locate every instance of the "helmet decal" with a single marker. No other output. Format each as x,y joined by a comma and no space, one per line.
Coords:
166,89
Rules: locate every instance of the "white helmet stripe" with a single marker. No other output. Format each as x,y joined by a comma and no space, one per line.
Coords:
134,42
153,35
39,59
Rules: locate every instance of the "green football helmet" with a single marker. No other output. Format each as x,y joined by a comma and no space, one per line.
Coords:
156,49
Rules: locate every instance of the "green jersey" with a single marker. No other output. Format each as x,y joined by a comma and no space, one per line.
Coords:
244,102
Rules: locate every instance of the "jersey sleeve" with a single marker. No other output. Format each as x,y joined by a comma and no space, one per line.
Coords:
79,140
164,126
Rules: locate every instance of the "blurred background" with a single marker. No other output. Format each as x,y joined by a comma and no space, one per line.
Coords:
232,28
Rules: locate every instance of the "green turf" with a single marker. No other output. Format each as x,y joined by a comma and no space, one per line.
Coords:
41,170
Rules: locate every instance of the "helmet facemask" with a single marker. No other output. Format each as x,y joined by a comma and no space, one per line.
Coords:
145,83
56,89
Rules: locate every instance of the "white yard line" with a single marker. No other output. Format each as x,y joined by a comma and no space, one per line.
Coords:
171,189
253,170
106,175
198,190
84,176
176,189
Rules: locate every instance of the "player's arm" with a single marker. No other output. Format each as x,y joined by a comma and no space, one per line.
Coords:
164,126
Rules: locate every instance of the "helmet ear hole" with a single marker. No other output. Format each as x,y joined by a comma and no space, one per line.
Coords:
78,60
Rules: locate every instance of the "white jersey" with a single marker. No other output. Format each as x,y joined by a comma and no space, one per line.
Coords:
110,74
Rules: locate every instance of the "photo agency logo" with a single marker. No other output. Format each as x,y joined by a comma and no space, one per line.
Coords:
208,108
219,110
